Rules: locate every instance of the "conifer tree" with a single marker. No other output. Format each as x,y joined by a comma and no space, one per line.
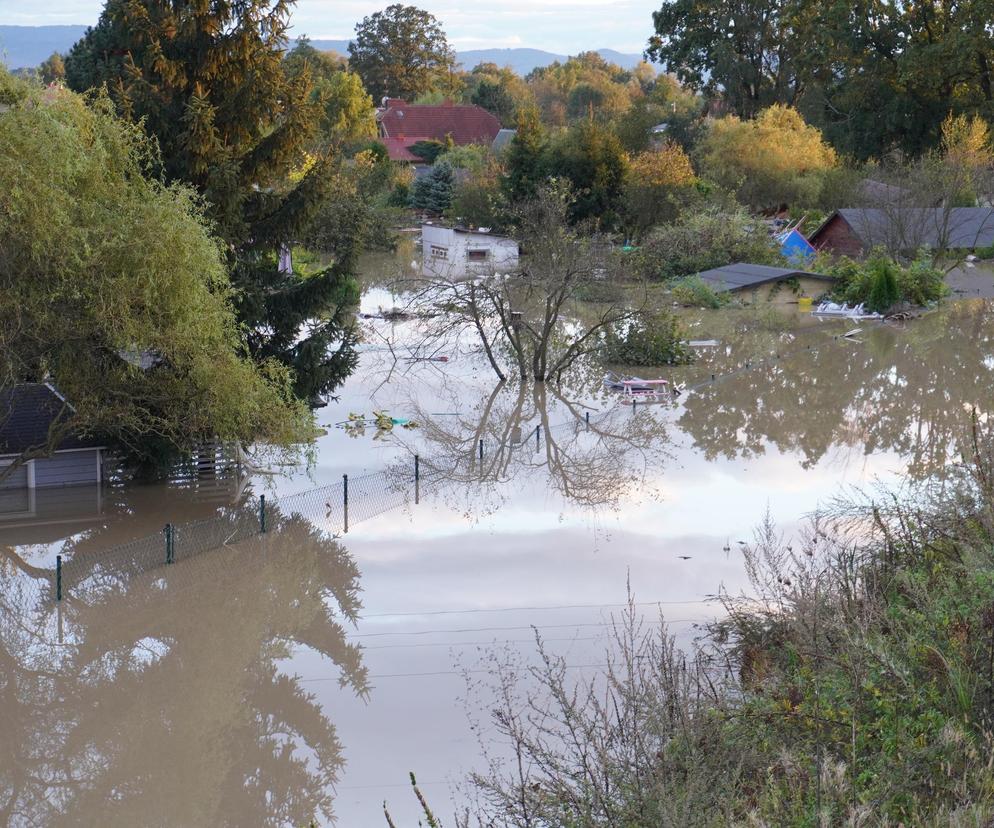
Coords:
524,158
208,81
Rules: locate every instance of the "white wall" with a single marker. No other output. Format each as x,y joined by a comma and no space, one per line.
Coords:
456,254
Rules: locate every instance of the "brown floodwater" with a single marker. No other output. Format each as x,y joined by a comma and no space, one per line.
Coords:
304,673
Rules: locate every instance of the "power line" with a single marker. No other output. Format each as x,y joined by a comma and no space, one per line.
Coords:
510,629
534,609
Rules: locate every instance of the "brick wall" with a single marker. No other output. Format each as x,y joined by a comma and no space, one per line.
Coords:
838,237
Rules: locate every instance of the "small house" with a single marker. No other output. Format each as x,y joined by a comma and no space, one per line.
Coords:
30,415
779,285
458,252
854,232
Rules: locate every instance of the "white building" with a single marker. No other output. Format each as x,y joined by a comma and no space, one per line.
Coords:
455,252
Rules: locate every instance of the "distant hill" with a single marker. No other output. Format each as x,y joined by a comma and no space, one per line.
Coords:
23,46
521,61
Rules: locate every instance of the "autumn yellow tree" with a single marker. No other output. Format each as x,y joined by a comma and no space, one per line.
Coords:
657,184
774,160
967,159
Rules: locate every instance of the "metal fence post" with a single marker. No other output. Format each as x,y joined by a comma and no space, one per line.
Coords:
417,480
58,577
262,514
587,416
345,499
481,448
538,436
168,530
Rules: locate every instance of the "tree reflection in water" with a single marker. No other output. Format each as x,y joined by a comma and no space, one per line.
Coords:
593,465
166,696
905,390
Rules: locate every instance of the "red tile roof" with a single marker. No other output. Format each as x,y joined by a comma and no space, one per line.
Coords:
466,124
398,149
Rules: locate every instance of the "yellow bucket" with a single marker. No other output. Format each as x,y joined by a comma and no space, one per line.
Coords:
804,303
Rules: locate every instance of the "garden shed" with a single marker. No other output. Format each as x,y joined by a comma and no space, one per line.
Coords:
29,414
775,284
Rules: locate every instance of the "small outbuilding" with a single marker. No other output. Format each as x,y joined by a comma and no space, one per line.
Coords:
458,252
775,284
30,414
854,232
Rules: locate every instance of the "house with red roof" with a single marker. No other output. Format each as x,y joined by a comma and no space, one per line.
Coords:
403,124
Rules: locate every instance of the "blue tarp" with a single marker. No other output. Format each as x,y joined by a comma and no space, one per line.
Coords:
795,247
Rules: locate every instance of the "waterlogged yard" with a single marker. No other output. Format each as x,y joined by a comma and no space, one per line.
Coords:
305,673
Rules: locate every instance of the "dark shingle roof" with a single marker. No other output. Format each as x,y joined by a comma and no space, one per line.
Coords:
911,227
27,411
740,276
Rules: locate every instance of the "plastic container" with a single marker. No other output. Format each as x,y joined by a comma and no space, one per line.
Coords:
804,303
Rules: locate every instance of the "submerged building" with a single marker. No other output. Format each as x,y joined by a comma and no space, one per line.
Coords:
458,252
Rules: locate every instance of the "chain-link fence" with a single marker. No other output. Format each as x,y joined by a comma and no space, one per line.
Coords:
332,508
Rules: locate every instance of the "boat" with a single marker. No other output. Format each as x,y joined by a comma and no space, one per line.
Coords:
633,385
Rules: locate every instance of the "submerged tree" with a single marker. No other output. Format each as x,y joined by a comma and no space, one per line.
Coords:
210,84
525,319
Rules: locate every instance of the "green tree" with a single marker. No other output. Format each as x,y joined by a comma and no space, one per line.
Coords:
100,262
52,69
400,52
433,192
751,54
349,115
523,159
209,83
770,161
591,158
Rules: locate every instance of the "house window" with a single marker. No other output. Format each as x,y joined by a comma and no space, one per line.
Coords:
477,255
438,252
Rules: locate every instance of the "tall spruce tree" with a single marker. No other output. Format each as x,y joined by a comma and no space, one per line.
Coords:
209,82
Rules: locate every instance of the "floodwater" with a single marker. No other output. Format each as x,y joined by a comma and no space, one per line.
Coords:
305,672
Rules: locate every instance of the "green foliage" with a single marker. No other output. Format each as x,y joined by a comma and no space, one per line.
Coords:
648,338
232,121
428,150
523,159
98,259
400,52
694,292
433,192
472,157
349,115
701,241
592,159
880,282
52,69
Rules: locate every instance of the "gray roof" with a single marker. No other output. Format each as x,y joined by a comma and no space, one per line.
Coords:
28,411
912,227
502,139
741,276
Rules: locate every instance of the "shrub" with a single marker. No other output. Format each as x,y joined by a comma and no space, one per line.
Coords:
701,241
694,292
880,282
650,338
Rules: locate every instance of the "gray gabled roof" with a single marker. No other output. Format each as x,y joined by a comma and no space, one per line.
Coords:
502,139
28,411
911,227
742,275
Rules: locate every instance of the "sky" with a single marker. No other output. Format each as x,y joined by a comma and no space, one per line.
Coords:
561,26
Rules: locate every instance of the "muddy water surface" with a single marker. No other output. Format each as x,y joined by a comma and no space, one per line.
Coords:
305,672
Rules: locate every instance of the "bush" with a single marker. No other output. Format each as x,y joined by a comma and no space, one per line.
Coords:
650,338
704,240
880,282
694,292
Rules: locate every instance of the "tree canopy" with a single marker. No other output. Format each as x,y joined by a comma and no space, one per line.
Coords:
210,84
101,264
400,52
